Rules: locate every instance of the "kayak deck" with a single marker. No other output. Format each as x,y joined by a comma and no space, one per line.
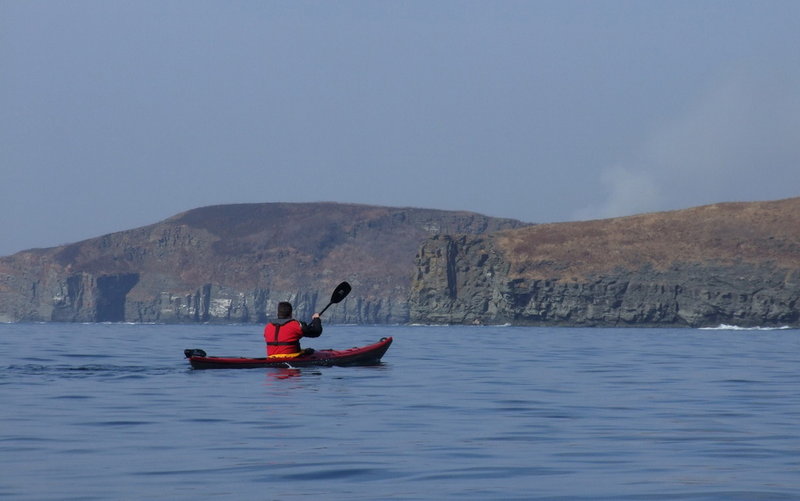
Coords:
363,355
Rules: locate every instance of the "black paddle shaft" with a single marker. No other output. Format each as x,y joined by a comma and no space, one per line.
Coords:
341,292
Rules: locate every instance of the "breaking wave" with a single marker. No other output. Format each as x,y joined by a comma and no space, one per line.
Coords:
726,327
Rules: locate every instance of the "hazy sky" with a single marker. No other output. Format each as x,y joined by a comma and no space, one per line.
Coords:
117,114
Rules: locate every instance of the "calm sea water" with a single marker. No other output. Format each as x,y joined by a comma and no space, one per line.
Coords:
114,412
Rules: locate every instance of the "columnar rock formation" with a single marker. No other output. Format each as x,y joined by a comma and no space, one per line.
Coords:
736,263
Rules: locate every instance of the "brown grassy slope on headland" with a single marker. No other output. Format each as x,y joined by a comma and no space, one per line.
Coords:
725,233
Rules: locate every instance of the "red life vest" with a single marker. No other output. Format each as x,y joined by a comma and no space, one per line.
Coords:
283,339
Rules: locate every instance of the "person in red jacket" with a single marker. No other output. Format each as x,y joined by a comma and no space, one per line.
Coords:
283,335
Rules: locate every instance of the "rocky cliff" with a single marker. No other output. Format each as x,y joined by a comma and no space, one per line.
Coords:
233,263
735,263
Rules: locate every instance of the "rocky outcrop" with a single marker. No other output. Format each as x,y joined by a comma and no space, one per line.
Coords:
234,263
722,264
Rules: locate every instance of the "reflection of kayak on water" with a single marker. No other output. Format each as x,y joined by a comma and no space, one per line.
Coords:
363,355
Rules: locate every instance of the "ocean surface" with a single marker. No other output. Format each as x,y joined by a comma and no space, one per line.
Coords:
113,411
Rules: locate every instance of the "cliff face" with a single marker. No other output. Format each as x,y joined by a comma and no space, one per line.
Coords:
735,263
234,263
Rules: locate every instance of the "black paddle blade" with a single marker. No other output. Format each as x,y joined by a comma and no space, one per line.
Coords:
341,292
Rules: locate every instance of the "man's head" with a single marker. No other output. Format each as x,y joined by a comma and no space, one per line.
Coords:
284,310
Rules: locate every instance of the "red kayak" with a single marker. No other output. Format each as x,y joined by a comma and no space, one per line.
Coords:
364,355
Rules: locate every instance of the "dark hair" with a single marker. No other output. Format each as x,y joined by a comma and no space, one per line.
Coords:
284,310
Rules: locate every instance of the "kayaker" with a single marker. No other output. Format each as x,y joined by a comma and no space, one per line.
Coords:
283,335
